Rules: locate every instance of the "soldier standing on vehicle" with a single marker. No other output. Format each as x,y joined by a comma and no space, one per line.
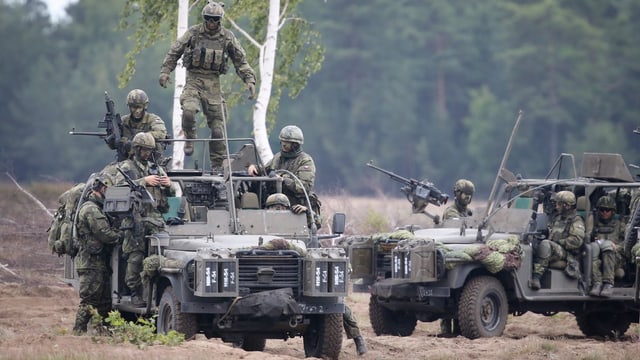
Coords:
96,239
608,234
205,49
155,179
463,191
294,160
139,120
566,236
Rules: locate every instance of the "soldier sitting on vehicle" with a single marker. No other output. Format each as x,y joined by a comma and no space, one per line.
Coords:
566,236
608,234
463,191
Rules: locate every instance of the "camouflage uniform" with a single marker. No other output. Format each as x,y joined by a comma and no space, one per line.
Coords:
96,237
566,236
455,211
134,245
150,123
609,235
205,55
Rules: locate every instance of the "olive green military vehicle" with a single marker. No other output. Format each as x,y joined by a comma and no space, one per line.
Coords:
476,270
229,268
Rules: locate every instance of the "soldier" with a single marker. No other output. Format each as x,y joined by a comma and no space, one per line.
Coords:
279,201
566,236
96,238
294,160
155,179
463,191
205,48
608,234
139,120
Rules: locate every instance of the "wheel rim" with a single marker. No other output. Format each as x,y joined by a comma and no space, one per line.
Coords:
490,311
167,316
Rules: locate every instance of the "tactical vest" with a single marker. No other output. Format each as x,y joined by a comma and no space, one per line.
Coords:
207,53
609,231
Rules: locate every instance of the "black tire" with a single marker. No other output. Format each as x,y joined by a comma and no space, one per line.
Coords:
388,322
323,337
170,316
253,343
483,308
604,323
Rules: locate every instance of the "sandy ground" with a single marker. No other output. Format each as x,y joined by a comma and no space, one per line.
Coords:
37,312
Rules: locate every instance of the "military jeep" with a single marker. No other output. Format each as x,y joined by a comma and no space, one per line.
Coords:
476,270
229,268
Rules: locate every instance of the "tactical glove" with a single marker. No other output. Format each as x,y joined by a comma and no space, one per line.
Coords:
164,79
298,209
252,90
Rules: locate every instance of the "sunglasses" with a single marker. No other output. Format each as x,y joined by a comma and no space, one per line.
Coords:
212,18
605,210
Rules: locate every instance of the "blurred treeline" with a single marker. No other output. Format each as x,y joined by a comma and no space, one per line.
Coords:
425,88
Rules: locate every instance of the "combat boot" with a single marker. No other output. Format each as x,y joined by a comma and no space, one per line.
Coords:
595,289
137,298
607,289
534,283
361,346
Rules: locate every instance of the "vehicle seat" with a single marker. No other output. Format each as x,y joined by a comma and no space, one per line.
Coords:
249,200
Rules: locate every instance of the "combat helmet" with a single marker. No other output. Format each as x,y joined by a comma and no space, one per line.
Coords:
137,97
101,180
144,140
278,199
465,186
213,10
606,202
566,197
291,133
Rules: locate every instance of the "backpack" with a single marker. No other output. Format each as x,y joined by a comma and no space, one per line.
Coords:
61,234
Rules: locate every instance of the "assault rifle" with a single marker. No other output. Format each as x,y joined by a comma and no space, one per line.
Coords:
145,195
113,130
418,193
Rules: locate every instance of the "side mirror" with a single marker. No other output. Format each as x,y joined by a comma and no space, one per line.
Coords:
338,223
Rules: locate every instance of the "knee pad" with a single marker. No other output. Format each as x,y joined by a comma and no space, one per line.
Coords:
188,120
544,249
607,245
217,132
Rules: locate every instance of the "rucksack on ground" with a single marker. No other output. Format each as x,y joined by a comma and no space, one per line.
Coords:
60,232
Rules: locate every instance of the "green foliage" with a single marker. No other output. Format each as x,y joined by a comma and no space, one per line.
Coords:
141,333
425,89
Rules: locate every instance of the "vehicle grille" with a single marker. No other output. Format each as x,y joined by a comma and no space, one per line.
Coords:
287,273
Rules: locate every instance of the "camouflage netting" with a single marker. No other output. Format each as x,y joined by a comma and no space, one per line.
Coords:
151,264
282,244
396,235
495,255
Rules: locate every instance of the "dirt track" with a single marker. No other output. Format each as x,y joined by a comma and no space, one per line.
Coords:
37,312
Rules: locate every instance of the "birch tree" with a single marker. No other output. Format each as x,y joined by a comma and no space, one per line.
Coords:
281,46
